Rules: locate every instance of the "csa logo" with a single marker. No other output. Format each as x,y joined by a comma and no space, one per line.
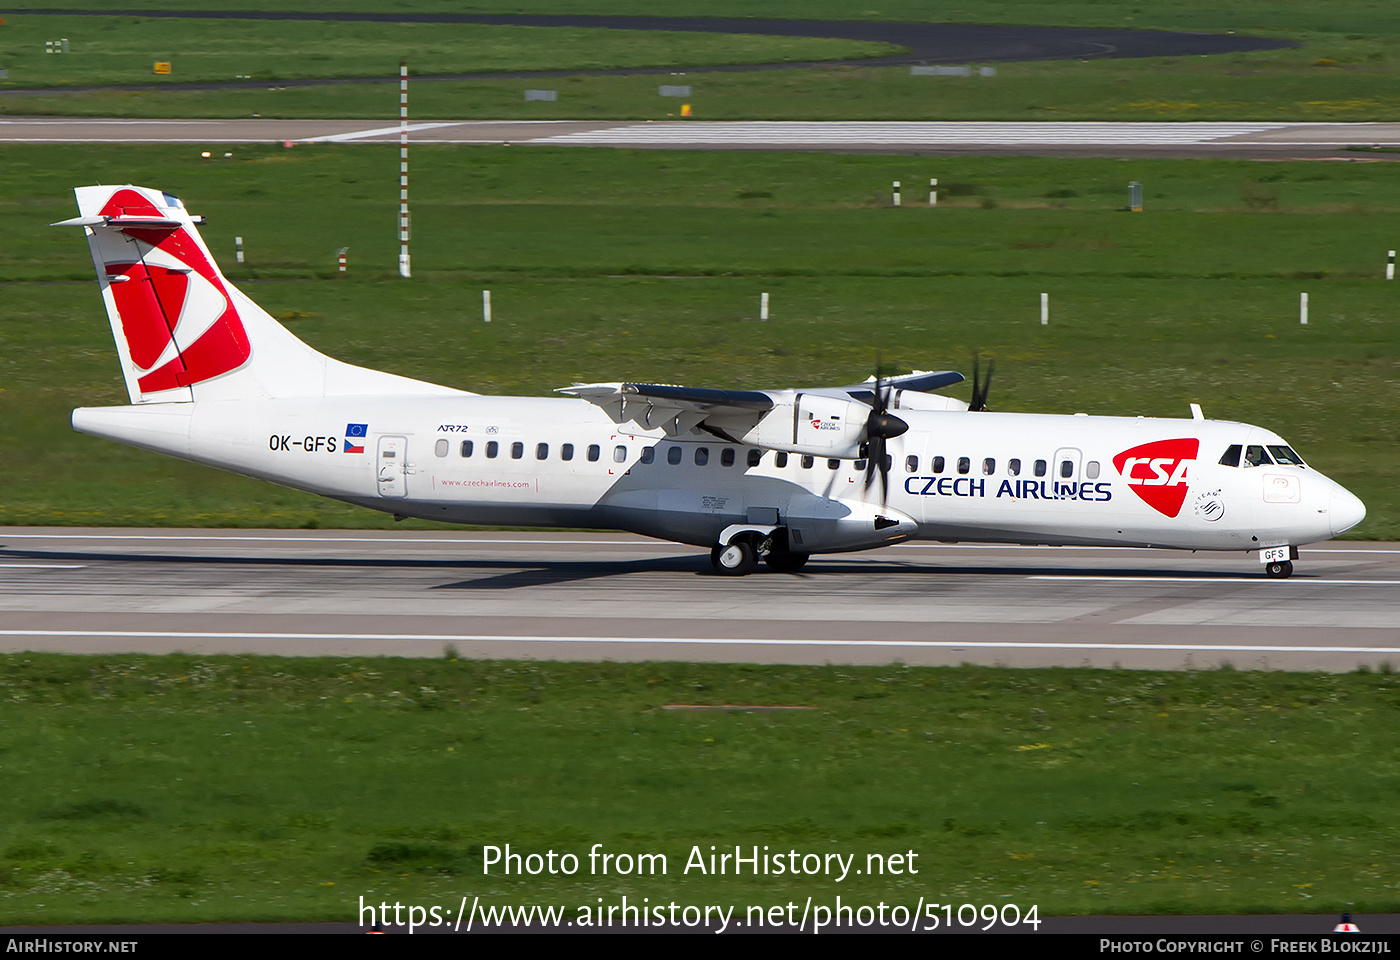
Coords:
1157,472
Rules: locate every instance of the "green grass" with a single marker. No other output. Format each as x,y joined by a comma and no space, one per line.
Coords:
184,789
1332,78
1348,63
618,265
122,50
1257,16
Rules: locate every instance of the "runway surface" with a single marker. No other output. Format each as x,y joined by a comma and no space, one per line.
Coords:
591,596
1240,139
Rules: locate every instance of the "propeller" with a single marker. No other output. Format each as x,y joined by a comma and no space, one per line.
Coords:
980,389
880,425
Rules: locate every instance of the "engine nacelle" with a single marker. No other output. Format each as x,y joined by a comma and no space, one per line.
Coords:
811,424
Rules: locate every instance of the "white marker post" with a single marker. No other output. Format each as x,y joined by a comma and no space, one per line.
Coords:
238,248
1303,309
486,306
1390,265
896,193
1045,309
933,191
763,306
404,270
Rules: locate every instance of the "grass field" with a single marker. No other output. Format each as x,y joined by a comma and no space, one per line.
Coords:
122,50
1260,16
1346,69
190,789
613,265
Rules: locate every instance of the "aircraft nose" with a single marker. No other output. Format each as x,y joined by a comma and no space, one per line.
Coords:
1346,510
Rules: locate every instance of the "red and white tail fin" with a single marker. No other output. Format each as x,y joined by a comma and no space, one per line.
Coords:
182,330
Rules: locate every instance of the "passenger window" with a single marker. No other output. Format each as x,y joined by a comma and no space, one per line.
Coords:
566,452
755,457
1066,469
648,454
964,464
673,456
541,451
833,464
594,451
492,449
860,464
807,463
726,457
619,454
440,448
1232,455
702,456
1040,468
1091,470
517,450
937,464
911,464
466,448
989,466
1254,456
780,459
1013,467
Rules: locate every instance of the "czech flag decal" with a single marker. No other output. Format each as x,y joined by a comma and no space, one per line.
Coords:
355,434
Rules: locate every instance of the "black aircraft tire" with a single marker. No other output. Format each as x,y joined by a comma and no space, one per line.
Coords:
787,562
736,560
1279,569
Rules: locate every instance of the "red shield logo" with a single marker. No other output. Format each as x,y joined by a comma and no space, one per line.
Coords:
1158,472
180,324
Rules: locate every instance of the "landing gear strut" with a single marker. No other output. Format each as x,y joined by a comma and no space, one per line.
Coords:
1279,569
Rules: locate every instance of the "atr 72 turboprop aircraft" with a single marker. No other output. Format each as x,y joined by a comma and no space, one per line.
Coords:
773,475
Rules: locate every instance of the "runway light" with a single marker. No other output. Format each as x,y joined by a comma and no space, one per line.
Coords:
206,154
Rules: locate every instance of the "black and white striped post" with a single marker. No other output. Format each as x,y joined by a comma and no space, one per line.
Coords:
933,191
238,248
404,270
896,193
763,306
1390,265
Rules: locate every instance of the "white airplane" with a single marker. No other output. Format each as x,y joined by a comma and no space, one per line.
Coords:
773,475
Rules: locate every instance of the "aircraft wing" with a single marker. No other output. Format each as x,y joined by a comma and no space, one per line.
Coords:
920,381
826,421
659,404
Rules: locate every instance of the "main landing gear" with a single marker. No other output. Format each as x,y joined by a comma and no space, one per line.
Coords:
1279,569
741,557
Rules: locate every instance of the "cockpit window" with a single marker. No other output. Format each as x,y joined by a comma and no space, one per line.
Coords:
1285,456
1254,456
1232,455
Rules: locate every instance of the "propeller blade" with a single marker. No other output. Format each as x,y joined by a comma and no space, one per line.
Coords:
880,426
980,387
